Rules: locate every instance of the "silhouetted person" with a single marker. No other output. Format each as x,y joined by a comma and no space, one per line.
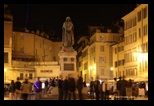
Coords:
97,87
71,87
65,88
60,90
79,86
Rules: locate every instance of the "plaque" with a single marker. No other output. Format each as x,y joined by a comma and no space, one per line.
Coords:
69,67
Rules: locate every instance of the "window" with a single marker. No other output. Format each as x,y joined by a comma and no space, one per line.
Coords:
21,76
119,49
115,50
122,48
135,36
22,50
139,16
139,32
146,31
102,71
115,64
5,57
122,62
30,76
85,66
102,59
144,13
119,62
102,48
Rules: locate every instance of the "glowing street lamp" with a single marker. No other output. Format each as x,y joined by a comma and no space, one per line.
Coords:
111,68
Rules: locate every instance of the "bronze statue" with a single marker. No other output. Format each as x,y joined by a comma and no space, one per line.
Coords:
68,33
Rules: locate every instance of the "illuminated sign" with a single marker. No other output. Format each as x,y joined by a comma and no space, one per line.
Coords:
46,71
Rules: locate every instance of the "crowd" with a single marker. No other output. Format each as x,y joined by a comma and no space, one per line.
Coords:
66,88
121,89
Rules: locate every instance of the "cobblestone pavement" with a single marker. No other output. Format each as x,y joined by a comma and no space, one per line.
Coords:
55,97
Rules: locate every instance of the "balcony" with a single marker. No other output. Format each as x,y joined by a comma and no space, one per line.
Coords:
22,56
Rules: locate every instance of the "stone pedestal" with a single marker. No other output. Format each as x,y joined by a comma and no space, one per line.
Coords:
67,61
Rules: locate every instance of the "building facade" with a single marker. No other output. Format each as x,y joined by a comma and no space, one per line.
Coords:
8,30
136,43
95,57
27,52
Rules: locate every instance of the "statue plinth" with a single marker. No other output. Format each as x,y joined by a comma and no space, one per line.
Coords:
67,61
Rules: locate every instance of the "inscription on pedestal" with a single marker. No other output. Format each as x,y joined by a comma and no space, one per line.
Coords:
68,67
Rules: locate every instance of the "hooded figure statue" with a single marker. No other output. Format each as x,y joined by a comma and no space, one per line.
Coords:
68,33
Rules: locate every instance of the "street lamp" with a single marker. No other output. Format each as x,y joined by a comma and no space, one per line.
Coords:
5,69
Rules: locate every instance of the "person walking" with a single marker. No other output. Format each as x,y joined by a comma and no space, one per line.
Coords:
60,90
65,88
12,90
79,86
26,88
17,89
38,88
71,87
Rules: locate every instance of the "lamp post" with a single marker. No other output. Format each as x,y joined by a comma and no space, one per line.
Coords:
5,69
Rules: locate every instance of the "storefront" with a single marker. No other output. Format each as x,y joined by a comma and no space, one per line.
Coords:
46,71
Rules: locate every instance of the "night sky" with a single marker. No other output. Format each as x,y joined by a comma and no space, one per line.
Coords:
50,17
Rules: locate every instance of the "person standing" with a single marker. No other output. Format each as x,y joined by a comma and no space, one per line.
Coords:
115,93
12,90
105,90
26,88
60,90
46,86
18,90
123,88
79,86
91,88
97,87
119,88
38,88
71,87
129,89
65,88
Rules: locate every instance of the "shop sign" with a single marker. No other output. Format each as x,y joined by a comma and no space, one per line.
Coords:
46,71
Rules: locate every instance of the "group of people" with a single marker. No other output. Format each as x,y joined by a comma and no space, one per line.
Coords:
100,90
121,89
22,90
68,86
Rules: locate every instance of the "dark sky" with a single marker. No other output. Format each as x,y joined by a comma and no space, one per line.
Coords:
52,16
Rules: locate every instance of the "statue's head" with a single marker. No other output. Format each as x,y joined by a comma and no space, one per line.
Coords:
68,18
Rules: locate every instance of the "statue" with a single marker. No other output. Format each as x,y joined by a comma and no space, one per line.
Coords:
68,33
